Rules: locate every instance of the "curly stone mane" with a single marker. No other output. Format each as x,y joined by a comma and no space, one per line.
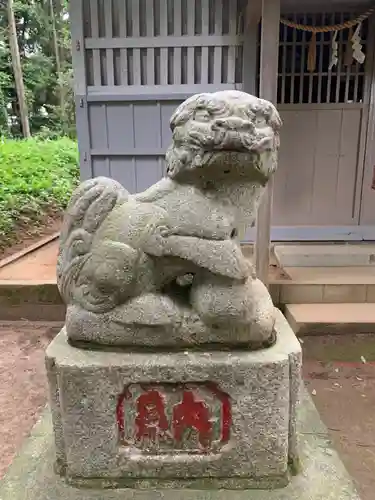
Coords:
206,123
90,204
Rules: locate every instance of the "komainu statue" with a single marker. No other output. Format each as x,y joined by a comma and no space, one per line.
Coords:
164,267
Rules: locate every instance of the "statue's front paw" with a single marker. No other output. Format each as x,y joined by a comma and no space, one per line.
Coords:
229,304
261,312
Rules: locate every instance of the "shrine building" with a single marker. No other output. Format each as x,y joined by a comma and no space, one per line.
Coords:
136,60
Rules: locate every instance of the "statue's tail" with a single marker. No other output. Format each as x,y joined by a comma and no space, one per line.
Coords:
89,205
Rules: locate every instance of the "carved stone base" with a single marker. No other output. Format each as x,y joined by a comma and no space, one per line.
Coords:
226,418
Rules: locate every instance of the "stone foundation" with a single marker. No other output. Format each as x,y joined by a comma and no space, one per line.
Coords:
220,419
323,475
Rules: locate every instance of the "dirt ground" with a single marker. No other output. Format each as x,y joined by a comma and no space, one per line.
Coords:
342,385
340,373
23,387
39,265
27,236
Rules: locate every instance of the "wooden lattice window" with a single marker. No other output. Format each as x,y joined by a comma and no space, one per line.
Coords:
297,85
163,42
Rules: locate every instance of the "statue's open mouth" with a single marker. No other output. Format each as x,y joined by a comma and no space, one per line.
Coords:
240,143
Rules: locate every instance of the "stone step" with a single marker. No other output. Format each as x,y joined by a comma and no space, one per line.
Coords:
329,255
343,275
331,318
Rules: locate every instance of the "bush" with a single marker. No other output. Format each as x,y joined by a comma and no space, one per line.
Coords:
36,178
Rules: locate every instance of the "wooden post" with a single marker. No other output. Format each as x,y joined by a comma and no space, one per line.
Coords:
269,60
252,17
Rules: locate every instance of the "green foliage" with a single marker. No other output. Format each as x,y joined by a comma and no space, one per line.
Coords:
62,118
43,83
36,178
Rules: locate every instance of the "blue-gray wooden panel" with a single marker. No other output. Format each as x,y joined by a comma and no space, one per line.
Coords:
126,126
100,166
148,171
129,139
135,174
119,125
147,134
98,126
123,170
167,109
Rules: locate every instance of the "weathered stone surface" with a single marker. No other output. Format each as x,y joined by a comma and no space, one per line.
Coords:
146,277
323,476
149,322
164,267
126,416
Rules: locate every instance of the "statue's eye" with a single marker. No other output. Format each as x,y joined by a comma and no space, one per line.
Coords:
202,115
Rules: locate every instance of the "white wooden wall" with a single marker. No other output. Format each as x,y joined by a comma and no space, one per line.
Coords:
325,119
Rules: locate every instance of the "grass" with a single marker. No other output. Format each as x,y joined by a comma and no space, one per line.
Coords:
36,179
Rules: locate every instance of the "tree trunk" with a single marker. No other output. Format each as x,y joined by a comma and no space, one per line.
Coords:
58,61
17,71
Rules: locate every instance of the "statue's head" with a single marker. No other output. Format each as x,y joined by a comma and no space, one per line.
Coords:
227,132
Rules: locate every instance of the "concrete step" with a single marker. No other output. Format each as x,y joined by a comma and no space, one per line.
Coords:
327,255
328,318
344,275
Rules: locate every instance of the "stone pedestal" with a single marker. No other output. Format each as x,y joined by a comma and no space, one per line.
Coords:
323,476
191,419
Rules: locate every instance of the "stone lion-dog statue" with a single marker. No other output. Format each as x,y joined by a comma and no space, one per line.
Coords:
164,267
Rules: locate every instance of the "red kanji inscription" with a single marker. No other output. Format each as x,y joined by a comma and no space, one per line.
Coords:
159,418
150,421
192,414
